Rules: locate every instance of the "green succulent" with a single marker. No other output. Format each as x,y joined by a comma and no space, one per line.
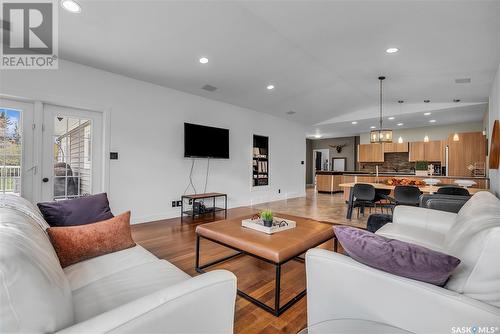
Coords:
421,165
266,215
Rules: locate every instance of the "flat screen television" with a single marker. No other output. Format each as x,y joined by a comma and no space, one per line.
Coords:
205,142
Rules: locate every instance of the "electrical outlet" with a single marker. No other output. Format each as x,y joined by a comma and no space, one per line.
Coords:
279,191
179,203
190,202
173,204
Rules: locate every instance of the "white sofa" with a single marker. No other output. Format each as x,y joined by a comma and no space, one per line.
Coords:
130,291
339,287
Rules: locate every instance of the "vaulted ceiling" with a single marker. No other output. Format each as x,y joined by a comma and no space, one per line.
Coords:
323,57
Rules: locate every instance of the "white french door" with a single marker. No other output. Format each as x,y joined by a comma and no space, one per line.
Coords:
72,158
17,168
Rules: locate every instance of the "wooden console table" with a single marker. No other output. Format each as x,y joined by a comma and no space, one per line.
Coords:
200,199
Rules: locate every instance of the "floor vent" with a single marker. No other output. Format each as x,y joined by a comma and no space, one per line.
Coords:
462,80
209,88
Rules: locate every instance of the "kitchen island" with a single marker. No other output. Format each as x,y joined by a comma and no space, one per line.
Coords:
328,182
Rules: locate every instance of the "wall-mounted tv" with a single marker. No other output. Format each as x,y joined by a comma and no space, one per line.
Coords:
205,142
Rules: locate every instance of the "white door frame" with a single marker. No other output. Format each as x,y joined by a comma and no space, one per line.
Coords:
38,106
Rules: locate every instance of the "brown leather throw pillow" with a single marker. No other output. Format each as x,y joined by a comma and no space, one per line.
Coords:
78,243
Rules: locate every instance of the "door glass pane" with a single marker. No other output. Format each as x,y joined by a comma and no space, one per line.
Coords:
10,151
72,157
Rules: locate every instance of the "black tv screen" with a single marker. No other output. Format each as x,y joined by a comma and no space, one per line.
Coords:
205,142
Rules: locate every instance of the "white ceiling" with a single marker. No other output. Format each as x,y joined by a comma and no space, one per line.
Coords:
324,57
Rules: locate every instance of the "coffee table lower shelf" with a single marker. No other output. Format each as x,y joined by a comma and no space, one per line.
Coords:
277,310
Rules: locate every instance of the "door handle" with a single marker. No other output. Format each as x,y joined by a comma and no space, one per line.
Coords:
45,179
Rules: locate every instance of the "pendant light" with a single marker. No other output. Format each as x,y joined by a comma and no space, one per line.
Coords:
381,135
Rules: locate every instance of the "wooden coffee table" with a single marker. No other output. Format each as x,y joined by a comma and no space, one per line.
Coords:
276,249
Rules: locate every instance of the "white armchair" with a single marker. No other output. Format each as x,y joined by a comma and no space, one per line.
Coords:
340,287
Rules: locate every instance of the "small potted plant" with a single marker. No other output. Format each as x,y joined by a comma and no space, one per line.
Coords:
267,218
421,168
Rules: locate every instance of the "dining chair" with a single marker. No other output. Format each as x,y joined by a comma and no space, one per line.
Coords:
364,196
381,199
405,195
453,190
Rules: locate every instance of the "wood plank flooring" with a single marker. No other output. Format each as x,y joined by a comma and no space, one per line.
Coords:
175,241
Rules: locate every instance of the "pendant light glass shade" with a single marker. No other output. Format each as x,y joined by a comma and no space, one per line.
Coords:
381,135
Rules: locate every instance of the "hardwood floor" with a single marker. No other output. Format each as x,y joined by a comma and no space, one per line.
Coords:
175,242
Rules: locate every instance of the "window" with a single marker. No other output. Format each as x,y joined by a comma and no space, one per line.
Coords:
72,157
10,151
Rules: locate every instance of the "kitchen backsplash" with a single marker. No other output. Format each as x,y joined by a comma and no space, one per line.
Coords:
394,162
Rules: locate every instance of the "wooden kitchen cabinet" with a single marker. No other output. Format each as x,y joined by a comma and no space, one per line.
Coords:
468,150
395,147
371,153
328,183
433,151
417,151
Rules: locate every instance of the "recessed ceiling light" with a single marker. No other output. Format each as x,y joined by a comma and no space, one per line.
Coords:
354,122
71,6
432,121
391,118
399,124
203,60
270,87
372,127
427,113
427,101
456,100
392,50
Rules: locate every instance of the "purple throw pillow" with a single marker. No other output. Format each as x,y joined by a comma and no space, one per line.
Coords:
395,256
78,211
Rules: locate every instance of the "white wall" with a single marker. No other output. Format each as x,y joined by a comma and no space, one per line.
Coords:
147,131
494,114
434,132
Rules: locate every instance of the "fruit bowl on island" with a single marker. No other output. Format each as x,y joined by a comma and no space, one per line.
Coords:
394,181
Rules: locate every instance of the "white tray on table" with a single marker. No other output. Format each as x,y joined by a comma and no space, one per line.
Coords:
258,225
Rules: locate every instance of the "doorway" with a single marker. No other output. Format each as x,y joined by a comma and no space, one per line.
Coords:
321,161
72,158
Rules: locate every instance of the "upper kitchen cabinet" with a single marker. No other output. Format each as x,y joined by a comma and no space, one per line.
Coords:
417,151
371,153
432,151
395,147
468,150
